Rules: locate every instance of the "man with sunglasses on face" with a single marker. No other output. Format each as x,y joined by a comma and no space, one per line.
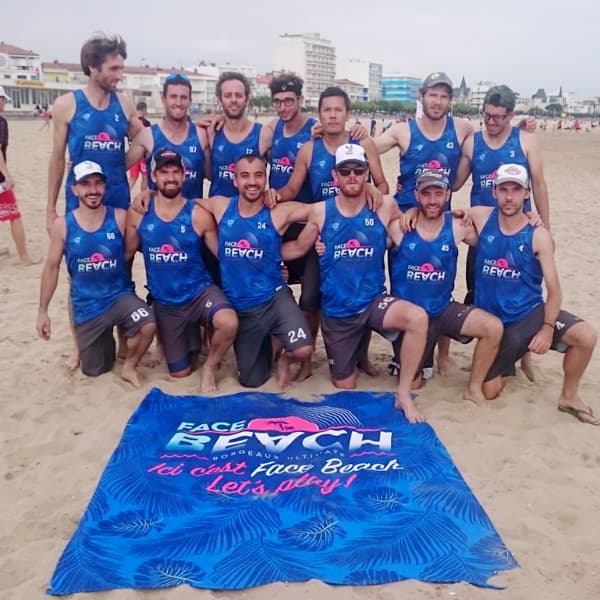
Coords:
176,132
354,298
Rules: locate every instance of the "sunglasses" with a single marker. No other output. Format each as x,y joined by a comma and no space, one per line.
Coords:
177,77
345,171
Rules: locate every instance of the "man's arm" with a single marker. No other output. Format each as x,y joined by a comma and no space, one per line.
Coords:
216,205
134,123
50,276
203,137
291,212
480,215
205,226
292,188
301,245
64,108
132,238
394,136
140,147
265,139
464,232
464,163
375,165
544,249
536,171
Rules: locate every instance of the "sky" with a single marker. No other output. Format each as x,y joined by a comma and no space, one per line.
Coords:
509,42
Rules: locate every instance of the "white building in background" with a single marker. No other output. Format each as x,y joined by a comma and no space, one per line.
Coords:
21,77
367,73
311,57
357,92
478,92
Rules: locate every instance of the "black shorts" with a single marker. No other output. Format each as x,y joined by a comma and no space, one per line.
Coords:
280,317
517,336
304,270
448,324
346,338
175,324
95,337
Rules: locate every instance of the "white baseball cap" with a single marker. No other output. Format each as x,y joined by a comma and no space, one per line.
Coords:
350,153
512,173
85,169
3,94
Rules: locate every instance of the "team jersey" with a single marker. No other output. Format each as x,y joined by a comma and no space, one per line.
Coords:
422,153
250,257
284,151
96,263
508,276
224,154
173,256
99,135
193,160
352,267
423,272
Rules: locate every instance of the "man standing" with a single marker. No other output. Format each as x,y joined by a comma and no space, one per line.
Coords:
177,132
237,137
513,259
496,144
354,300
92,123
250,237
139,168
171,235
423,270
8,203
91,237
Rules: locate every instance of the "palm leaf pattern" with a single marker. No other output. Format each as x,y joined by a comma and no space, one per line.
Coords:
162,573
368,577
313,535
452,567
132,524
380,499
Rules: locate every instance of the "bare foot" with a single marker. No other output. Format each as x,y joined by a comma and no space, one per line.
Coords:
527,367
284,377
475,396
28,262
368,367
411,412
154,358
304,372
417,383
131,375
208,380
4,252
443,365
72,362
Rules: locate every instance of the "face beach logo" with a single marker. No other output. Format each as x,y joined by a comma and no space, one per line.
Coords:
227,171
425,273
166,254
499,268
102,142
352,249
282,165
96,262
242,249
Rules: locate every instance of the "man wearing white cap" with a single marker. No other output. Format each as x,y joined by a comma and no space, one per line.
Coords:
91,238
354,298
513,259
8,203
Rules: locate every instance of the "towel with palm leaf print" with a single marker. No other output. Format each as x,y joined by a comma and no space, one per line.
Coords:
252,488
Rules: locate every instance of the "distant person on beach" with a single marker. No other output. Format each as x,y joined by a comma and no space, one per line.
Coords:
47,117
138,170
92,124
91,237
8,202
513,259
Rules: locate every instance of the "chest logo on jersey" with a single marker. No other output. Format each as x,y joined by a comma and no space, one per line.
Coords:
226,171
166,254
242,249
352,249
499,268
282,165
103,142
95,262
425,273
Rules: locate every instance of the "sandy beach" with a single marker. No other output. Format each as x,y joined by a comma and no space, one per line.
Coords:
535,470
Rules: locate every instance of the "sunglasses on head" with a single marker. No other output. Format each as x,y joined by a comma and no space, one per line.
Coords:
345,171
177,77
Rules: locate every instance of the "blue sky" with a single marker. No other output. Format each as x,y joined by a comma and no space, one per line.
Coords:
508,42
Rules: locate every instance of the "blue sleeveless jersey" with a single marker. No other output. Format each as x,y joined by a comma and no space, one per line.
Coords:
99,135
193,160
422,153
250,257
508,276
322,183
223,157
284,151
423,272
96,264
172,256
352,268
486,161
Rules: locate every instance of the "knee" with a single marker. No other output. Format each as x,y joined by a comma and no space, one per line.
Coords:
183,373
148,330
586,336
492,328
250,380
348,383
226,322
418,320
303,353
491,389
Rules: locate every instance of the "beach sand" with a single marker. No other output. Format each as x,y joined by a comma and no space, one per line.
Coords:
535,470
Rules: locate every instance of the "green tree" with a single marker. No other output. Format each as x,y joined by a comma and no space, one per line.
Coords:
554,108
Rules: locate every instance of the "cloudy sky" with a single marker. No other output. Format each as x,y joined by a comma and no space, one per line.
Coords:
505,42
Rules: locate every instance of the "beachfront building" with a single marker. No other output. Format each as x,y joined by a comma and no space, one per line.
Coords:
478,92
401,88
357,92
309,56
369,74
